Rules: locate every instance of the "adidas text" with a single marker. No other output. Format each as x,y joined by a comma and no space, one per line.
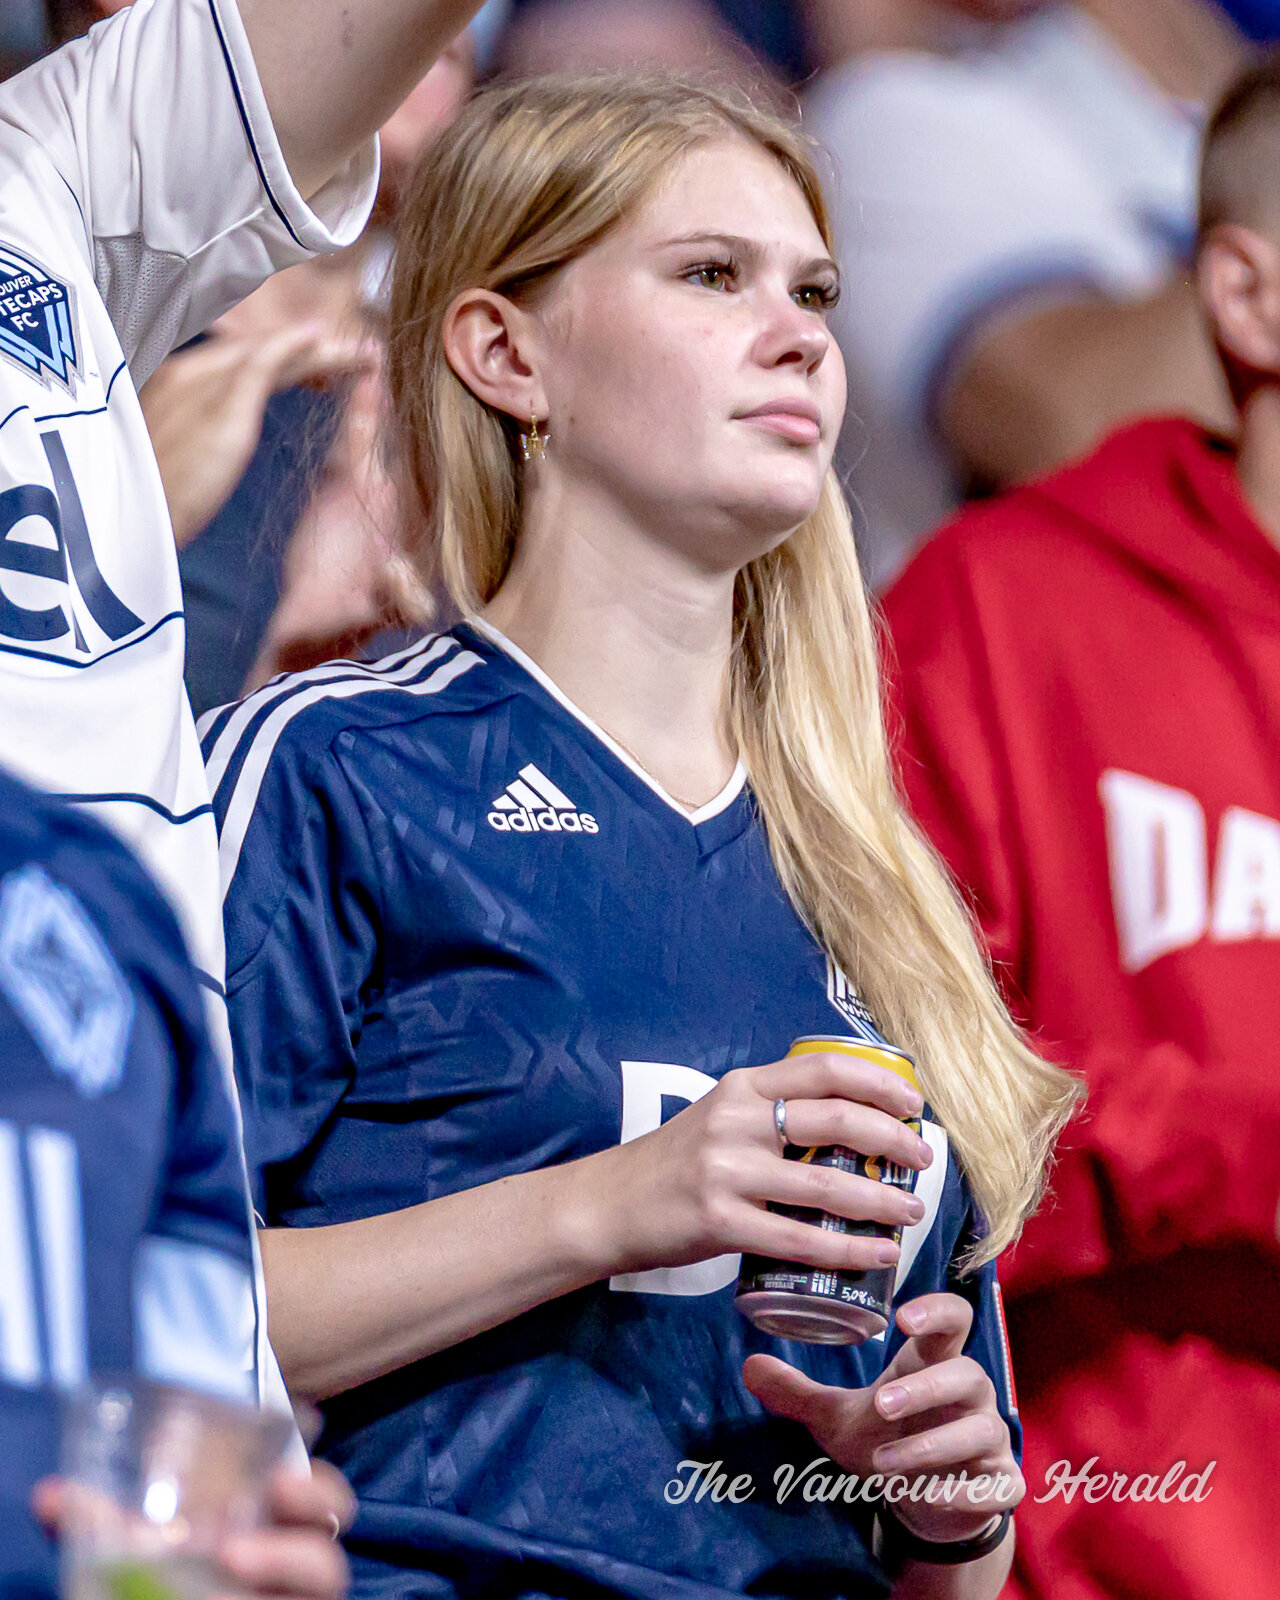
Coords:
543,822
531,803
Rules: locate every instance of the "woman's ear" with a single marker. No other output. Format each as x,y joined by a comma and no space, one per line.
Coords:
489,342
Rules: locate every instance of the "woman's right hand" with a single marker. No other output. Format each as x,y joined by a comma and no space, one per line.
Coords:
700,1185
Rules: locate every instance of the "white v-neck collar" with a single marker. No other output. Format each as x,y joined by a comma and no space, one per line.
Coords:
713,807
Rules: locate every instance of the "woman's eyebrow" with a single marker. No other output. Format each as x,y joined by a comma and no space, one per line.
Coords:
736,245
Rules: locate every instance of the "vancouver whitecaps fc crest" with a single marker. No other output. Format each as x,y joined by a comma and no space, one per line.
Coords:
845,998
62,980
37,320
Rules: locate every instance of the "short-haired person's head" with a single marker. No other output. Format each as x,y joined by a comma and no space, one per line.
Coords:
1240,152
641,263
1238,250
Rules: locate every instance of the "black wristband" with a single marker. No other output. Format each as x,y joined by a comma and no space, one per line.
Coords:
895,1544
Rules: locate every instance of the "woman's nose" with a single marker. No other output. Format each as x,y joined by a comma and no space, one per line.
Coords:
795,337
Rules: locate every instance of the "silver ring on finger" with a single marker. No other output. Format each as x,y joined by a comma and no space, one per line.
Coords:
780,1122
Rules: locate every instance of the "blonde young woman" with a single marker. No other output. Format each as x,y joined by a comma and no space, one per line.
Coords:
522,922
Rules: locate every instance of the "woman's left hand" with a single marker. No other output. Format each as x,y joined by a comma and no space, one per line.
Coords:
932,1411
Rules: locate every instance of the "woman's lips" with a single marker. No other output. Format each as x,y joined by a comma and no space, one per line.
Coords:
799,427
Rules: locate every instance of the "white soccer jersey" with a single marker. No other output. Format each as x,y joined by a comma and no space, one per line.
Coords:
142,193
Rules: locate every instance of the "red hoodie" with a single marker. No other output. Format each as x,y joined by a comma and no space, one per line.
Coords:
1087,682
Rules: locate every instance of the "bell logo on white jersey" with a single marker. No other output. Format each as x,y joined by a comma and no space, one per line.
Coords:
37,320
64,553
533,804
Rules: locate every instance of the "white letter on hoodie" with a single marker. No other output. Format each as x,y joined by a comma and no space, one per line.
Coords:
1156,841
1246,890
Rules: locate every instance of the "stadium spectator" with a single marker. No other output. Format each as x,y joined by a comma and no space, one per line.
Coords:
591,35
1015,198
666,33
303,560
127,1243
500,901
144,189
1088,683
80,157
244,424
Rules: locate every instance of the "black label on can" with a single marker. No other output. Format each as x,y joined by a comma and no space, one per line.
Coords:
871,1290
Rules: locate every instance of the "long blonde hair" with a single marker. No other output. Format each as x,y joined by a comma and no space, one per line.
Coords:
528,179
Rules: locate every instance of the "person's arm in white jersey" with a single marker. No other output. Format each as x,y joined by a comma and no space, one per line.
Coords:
333,71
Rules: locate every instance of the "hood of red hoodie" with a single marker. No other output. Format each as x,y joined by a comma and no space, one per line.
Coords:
1163,494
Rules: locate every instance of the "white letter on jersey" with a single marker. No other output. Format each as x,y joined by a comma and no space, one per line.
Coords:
1156,841
55,1174
643,1085
1246,894
55,1187
19,1341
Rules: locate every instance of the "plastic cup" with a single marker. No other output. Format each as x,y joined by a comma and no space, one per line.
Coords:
158,1478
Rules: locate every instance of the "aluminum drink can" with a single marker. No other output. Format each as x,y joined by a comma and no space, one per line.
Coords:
794,1301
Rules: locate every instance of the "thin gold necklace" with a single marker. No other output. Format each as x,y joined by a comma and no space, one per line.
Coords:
689,805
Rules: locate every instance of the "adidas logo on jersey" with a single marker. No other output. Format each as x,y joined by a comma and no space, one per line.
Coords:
533,804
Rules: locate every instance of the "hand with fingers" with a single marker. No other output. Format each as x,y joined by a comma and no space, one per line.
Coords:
295,1555
931,1412
702,1184
205,407
346,574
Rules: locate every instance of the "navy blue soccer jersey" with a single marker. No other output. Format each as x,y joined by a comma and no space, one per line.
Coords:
468,937
124,1230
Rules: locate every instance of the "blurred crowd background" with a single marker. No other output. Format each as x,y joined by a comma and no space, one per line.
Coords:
1014,188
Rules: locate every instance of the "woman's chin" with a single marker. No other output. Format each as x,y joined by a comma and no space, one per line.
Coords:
783,492
773,517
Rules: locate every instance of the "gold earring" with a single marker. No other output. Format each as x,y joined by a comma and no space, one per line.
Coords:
533,443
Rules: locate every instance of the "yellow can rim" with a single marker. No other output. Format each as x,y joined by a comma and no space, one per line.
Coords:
848,1045
848,1039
